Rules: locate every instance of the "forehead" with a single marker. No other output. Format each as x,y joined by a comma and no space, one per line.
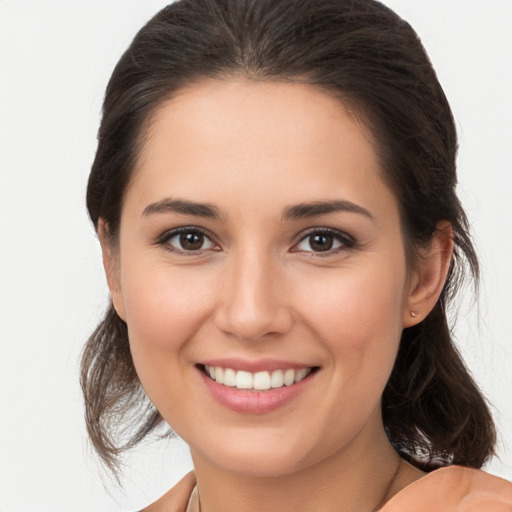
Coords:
282,141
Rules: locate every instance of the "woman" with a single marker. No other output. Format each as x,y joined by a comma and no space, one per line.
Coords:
274,193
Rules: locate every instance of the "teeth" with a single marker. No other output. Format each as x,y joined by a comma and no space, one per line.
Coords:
259,381
289,377
300,374
277,379
229,377
243,380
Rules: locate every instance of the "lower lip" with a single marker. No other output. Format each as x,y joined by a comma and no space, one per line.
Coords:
254,402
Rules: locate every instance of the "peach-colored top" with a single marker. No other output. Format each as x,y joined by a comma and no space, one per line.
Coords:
452,489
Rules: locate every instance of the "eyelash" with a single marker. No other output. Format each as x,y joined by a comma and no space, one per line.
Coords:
166,237
346,241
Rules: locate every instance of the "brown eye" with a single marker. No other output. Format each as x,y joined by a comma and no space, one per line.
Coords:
188,240
324,241
191,241
319,243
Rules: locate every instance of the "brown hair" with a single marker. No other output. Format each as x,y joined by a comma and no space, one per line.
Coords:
373,61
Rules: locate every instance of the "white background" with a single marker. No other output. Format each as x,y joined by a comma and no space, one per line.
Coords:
56,57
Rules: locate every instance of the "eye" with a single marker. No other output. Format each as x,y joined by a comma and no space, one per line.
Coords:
324,241
187,240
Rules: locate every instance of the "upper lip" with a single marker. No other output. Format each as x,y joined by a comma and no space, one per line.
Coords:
254,366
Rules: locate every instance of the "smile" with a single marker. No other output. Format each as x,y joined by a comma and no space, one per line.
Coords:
259,381
257,387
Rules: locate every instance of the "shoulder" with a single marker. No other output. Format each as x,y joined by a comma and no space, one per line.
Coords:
454,489
176,499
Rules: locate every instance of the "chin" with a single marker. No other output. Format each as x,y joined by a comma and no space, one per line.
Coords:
258,466
256,457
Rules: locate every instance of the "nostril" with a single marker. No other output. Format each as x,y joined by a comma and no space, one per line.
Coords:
254,324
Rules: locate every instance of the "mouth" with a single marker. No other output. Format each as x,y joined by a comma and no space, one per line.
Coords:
266,380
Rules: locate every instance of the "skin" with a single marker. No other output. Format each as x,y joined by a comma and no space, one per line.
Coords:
257,289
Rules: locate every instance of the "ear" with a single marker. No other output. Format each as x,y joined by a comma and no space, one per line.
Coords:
428,279
111,265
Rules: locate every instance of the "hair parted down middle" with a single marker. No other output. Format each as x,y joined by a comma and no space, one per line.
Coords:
364,54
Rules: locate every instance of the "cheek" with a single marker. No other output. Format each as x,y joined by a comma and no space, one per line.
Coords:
164,310
358,315
162,304
358,319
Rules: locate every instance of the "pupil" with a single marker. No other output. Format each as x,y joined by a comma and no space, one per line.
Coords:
321,242
191,241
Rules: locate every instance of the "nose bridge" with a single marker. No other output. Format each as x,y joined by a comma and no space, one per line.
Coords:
252,298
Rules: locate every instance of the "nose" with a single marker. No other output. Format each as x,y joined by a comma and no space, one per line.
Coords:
253,301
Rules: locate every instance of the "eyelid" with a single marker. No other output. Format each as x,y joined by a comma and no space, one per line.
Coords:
347,241
167,235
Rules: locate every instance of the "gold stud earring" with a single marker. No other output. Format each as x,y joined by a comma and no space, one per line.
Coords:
413,314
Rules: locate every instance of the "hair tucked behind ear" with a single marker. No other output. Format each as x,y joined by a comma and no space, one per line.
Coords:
372,60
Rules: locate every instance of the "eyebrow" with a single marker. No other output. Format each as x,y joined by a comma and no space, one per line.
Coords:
184,207
295,212
317,208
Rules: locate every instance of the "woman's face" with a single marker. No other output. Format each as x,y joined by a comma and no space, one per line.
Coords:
258,241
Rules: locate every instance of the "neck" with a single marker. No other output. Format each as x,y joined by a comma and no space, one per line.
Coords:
361,478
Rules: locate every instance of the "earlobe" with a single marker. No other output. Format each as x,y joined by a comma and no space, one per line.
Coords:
429,278
111,267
